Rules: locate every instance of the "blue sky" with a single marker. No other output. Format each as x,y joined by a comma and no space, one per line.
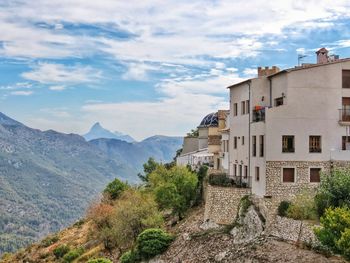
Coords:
149,67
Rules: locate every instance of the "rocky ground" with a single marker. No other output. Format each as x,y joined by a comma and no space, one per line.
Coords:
196,245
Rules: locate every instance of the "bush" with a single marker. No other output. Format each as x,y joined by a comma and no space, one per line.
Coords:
283,208
115,188
220,180
48,241
334,231
334,191
60,251
130,256
100,260
73,254
302,207
152,242
100,214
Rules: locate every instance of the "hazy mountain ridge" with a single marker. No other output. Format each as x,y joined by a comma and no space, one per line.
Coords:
46,180
98,132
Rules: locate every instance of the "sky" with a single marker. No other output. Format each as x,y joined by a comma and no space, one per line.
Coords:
149,67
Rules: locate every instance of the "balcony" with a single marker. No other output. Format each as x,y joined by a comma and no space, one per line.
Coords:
242,181
258,114
344,116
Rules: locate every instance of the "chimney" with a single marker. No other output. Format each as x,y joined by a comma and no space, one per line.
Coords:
267,71
322,56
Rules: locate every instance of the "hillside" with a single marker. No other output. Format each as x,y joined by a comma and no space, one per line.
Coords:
161,148
46,180
191,245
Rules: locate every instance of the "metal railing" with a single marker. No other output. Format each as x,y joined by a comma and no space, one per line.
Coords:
259,115
241,181
344,115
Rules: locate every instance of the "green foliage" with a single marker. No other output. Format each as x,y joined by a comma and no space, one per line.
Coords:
60,251
133,212
152,242
283,208
100,260
148,168
343,243
49,240
115,188
193,133
334,223
131,256
244,204
201,174
174,189
334,190
302,207
73,254
220,179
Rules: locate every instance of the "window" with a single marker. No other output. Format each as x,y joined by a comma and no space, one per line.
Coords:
242,107
240,171
235,109
245,171
315,144
261,145
346,79
235,142
254,145
345,143
278,101
315,175
235,169
288,175
247,106
242,140
288,144
257,174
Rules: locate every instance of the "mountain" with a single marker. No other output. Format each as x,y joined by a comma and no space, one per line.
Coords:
97,132
47,179
161,148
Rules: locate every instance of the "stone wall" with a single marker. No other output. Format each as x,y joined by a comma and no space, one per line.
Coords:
221,203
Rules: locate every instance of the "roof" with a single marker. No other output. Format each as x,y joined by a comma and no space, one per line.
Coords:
211,120
240,83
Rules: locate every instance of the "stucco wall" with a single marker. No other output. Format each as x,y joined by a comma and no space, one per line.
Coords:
222,203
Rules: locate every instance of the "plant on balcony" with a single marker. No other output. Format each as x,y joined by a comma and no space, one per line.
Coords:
220,179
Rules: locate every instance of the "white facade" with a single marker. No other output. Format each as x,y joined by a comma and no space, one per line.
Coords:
312,97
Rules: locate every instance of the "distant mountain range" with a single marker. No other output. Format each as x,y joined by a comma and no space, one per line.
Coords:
97,132
48,178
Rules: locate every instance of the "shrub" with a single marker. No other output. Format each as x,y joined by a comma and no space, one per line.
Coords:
100,214
343,243
100,260
48,241
220,180
152,242
334,190
115,188
73,254
174,189
130,256
334,231
302,207
60,251
283,208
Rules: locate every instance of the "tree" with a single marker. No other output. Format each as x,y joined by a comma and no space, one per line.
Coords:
115,188
193,133
148,168
334,191
174,189
152,242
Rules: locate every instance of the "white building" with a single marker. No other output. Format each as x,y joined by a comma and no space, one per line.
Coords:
287,126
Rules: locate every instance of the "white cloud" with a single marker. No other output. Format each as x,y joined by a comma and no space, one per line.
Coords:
57,88
250,72
22,93
48,73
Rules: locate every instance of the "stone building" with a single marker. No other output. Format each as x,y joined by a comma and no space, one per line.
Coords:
286,126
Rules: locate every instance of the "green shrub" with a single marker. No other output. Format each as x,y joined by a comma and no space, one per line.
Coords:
283,208
130,256
100,260
335,230
48,241
73,254
152,242
60,251
220,180
244,204
115,188
302,207
334,191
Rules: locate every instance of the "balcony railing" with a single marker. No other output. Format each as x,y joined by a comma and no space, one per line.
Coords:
242,181
259,115
344,115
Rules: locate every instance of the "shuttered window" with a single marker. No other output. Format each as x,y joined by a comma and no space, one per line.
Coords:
247,104
315,175
288,175
346,79
288,143
257,174
235,109
315,144
254,145
242,107
235,142
261,145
